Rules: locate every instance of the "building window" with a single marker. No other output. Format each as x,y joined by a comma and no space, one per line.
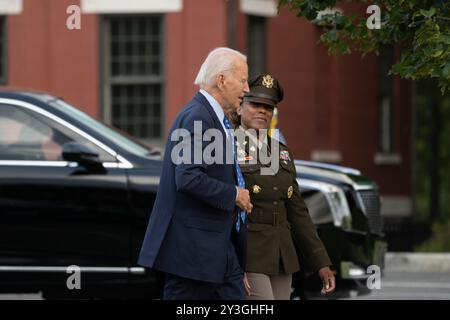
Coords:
385,100
133,75
2,50
256,45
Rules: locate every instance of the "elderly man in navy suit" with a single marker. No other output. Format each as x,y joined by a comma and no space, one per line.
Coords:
196,233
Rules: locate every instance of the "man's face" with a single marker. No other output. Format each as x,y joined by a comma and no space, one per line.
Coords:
235,84
255,115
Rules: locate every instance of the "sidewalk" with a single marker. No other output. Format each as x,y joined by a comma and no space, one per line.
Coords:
417,262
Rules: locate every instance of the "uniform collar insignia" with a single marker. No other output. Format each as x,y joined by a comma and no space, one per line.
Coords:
284,155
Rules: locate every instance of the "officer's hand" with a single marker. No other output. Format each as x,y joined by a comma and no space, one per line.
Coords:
243,200
328,280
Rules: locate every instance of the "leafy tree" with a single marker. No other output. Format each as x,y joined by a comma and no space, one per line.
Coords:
422,26
422,29
432,172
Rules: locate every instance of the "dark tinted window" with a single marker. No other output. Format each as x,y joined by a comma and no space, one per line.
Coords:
27,135
385,100
256,45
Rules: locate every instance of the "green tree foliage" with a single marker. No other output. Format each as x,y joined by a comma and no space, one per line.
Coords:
421,26
433,152
440,239
433,164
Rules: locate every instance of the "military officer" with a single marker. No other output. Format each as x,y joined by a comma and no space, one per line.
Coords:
279,224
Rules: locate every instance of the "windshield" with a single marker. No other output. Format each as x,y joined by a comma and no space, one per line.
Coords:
115,135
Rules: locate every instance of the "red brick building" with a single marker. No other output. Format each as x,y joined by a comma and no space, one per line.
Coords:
132,64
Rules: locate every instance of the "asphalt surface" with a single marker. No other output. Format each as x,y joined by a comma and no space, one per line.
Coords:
395,285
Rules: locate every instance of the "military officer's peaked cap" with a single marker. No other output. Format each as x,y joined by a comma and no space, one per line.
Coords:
264,89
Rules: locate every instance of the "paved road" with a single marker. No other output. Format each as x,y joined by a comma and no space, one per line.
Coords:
397,285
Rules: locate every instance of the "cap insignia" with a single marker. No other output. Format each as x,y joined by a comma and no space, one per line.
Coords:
267,81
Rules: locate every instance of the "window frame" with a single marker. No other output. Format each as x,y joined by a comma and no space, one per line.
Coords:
3,50
107,80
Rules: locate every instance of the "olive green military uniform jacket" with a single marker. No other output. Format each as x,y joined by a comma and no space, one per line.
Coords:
280,229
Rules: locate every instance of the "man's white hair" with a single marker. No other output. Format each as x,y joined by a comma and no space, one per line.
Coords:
218,60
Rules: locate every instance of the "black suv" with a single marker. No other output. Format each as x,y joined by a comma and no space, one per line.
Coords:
345,207
75,192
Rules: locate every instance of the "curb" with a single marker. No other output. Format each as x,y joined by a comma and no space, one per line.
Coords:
417,262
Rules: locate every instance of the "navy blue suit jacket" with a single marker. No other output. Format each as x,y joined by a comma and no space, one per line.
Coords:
193,217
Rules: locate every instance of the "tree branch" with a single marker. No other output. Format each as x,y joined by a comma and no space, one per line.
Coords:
443,18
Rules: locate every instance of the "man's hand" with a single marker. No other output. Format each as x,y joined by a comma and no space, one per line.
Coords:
243,200
328,280
247,285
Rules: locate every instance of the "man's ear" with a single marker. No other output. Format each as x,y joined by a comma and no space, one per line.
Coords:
220,81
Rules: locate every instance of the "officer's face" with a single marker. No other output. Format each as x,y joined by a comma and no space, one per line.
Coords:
233,85
255,115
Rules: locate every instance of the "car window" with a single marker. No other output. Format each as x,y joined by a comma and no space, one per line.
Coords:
119,138
26,135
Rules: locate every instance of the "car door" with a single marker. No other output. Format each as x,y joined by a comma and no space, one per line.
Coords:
54,213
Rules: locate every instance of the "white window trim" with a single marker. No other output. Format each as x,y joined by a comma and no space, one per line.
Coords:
263,8
387,158
131,6
11,6
123,163
333,156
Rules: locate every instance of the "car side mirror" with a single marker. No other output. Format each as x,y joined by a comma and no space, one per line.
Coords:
85,156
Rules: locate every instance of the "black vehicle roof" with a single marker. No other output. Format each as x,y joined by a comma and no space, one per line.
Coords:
26,95
39,99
